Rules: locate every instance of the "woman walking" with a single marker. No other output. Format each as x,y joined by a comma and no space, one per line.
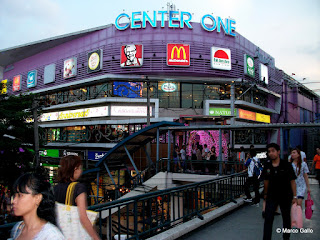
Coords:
70,171
301,170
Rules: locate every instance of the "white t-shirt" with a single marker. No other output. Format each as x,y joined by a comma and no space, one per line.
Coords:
251,166
303,156
183,154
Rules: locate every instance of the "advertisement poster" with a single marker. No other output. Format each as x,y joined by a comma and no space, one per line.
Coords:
128,89
32,79
70,68
4,86
220,58
131,55
264,75
16,85
178,55
95,61
248,65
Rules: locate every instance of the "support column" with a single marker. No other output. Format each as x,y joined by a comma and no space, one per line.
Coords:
232,122
158,150
281,143
220,151
169,150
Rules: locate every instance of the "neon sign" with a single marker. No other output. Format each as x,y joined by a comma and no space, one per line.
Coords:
176,19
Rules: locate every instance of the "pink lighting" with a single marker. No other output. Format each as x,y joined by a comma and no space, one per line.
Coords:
211,138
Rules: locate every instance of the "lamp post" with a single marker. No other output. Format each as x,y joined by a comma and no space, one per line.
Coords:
36,131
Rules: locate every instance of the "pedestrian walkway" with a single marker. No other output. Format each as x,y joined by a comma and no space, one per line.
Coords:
247,223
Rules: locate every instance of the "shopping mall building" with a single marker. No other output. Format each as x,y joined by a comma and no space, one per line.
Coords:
93,85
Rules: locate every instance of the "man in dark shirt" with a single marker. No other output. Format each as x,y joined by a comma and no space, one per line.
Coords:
279,189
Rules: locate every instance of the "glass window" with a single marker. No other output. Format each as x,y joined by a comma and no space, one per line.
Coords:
198,94
212,92
186,95
169,94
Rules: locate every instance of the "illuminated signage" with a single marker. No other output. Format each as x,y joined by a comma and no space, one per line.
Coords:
129,111
70,68
263,118
176,19
74,114
264,75
248,65
128,89
95,61
32,79
247,115
131,55
221,112
16,85
95,156
4,86
169,87
49,153
220,58
178,55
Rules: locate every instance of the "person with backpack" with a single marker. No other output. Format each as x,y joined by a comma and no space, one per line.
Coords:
254,170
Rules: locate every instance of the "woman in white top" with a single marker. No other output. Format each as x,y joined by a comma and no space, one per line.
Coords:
34,201
301,170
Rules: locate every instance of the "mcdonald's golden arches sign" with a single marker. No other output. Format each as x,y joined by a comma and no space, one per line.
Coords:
178,55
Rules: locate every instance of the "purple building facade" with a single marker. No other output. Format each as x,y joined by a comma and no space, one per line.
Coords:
92,100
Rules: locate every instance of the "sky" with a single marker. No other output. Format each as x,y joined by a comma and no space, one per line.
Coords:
288,30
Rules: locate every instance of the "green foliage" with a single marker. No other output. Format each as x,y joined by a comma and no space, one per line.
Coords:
14,157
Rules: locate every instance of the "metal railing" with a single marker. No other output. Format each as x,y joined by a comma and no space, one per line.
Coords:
146,215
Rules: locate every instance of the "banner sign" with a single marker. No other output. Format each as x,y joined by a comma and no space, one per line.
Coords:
248,65
32,79
131,55
70,68
221,112
4,86
263,118
176,19
16,85
130,111
54,153
74,114
95,156
220,58
95,61
178,55
247,115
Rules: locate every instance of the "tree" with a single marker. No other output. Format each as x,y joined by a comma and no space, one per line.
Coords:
16,136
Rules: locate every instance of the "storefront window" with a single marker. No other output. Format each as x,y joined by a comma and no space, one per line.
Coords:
169,94
198,92
186,95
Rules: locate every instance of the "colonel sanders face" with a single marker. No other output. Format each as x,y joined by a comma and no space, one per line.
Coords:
130,51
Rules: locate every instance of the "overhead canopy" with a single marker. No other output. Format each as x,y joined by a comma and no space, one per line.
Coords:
118,154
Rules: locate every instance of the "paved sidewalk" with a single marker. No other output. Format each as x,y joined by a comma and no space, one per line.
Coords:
247,223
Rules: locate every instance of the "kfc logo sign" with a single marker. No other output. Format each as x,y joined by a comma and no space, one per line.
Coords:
131,55
178,55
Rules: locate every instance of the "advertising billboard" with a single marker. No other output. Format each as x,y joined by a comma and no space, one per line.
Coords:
4,86
32,79
16,84
95,61
130,111
178,55
128,89
248,65
70,68
131,55
221,112
264,74
220,58
244,114
49,73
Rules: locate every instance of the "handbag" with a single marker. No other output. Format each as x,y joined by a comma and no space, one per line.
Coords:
68,218
308,204
296,216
